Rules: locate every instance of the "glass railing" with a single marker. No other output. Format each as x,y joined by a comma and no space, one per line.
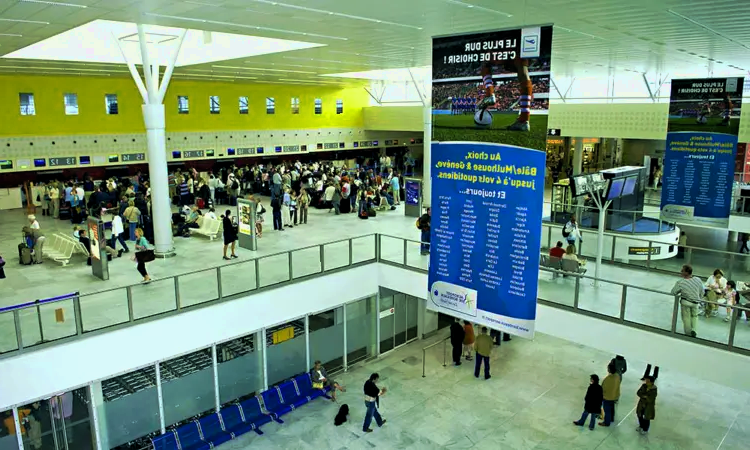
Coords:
624,249
36,324
41,322
641,307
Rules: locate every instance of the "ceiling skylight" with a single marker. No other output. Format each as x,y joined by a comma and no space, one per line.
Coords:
95,42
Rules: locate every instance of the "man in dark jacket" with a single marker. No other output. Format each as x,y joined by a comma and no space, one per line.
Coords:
424,227
592,403
457,341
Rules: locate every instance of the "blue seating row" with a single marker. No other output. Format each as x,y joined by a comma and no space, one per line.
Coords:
239,418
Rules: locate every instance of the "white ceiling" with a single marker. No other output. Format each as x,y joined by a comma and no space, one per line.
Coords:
592,37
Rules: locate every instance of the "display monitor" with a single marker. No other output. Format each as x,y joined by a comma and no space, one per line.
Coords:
176,154
230,151
580,185
615,188
41,162
629,187
84,160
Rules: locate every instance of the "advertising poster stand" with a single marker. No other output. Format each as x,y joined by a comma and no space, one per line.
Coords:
99,263
413,203
246,216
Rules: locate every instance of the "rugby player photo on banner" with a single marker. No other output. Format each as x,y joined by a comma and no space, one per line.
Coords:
699,161
490,94
492,87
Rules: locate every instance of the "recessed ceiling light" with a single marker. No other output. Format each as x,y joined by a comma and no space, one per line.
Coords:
191,2
363,54
215,76
578,32
332,13
386,44
44,2
239,25
478,8
11,35
261,69
39,22
329,60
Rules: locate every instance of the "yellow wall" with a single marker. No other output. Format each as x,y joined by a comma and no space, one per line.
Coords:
50,118
394,118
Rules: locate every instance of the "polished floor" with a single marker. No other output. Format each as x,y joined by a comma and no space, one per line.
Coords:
536,391
198,258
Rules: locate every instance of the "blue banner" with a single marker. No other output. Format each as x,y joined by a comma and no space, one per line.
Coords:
698,177
412,188
487,202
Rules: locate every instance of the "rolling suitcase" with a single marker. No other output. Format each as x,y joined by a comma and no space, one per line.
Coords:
24,254
64,212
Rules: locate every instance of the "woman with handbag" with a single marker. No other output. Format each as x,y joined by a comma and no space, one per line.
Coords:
143,254
230,233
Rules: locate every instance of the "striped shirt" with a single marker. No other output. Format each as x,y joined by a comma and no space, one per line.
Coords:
689,289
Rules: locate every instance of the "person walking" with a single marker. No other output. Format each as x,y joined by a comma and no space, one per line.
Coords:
610,394
143,254
132,215
468,339
230,233
303,201
483,347
54,200
646,408
424,227
372,394
118,233
457,341
690,291
276,212
592,403
571,232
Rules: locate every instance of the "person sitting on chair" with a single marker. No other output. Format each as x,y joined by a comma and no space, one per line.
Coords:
557,251
320,380
570,253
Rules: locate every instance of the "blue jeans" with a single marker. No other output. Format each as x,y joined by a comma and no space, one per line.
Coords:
583,419
132,226
353,201
372,411
609,411
424,247
113,241
478,365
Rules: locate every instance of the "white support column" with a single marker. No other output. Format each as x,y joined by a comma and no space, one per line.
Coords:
215,364
307,342
160,397
377,324
264,344
600,236
578,156
427,156
98,416
154,120
17,422
346,362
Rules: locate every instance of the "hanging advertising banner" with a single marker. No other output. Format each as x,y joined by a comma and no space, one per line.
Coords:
486,232
699,161
492,86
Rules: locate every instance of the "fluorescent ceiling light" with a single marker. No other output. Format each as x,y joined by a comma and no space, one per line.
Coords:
362,54
239,25
478,8
261,69
70,69
408,47
44,2
303,65
214,76
39,22
329,60
311,81
11,35
558,27
419,73
190,2
707,28
95,42
333,13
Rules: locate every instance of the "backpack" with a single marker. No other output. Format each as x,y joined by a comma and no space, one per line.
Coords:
565,233
235,184
419,226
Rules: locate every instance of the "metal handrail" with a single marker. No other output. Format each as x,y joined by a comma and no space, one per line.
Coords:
424,352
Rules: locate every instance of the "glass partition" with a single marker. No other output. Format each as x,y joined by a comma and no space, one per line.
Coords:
391,249
131,406
287,353
387,323
199,287
240,368
412,316
360,330
8,439
238,278
8,341
363,248
187,386
647,307
104,309
327,338
153,298
274,269
57,423
336,255
306,261
599,296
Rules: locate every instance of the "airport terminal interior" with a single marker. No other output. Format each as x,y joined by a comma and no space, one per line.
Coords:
201,201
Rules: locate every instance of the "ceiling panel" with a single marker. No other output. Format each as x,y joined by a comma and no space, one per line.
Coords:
592,37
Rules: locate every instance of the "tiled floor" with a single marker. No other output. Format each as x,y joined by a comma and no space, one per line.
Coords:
536,391
109,307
